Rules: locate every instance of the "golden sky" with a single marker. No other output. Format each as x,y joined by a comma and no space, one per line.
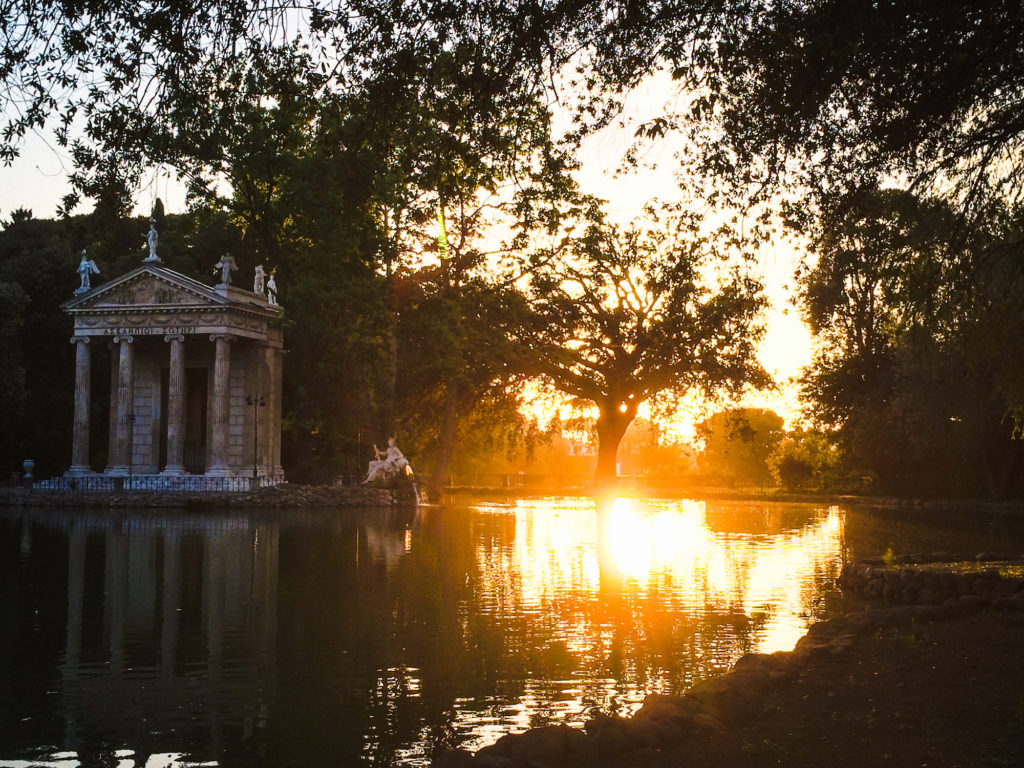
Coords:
786,347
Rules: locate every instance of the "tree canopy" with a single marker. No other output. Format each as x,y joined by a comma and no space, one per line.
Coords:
917,316
738,443
627,315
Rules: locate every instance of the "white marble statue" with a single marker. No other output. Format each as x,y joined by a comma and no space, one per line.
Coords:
86,267
259,279
388,465
225,265
272,288
151,238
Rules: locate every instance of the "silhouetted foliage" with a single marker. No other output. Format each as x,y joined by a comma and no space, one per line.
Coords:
917,317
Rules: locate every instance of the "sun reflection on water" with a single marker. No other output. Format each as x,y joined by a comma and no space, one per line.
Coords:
609,601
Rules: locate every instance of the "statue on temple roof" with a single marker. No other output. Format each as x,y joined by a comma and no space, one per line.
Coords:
225,265
151,239
272,288
86,267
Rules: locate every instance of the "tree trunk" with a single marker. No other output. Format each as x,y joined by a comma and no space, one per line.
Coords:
387,409
611,426
447,432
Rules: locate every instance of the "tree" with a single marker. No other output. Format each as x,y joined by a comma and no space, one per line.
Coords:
341,193
13,303
457,392
862,91
131,86
738,442
805,459
38,259
37,262
829,93
842,91
624,316
18,216
903,299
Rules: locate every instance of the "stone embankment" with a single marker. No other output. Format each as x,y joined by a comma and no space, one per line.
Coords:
711,724
962,576
281,496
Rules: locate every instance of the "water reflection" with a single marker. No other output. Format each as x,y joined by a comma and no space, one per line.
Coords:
579,605
154,615
375,635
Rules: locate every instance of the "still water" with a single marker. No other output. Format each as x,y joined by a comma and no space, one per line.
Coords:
371,637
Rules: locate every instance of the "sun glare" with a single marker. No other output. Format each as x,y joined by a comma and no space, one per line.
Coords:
627,544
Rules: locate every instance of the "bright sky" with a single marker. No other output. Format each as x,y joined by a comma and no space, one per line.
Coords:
38,179
786,347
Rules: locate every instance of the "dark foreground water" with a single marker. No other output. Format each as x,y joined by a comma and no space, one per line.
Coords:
374,636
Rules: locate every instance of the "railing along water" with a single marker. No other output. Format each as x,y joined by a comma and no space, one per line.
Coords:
156,484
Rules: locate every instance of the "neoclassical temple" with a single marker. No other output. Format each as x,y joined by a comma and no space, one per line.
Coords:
195,373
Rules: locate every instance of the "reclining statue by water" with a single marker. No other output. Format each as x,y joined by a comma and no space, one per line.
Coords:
389,465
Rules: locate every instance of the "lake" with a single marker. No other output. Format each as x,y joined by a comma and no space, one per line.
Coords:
373,637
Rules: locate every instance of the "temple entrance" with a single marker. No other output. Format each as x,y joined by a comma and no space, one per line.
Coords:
195,420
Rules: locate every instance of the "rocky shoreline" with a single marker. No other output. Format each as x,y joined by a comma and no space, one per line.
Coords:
763,711
285,495
980,575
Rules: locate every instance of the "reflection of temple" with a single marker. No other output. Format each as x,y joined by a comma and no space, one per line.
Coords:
184,621
195,376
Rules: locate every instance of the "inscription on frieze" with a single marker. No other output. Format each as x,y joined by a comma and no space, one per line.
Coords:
145,330
164,324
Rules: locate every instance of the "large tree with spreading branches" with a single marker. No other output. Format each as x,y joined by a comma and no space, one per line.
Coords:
647,313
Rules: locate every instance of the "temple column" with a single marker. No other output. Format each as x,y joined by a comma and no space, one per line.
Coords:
219,465
274,360
176,406
125,405
260,411
83,399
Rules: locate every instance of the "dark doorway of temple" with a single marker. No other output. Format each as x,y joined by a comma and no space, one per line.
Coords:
195,420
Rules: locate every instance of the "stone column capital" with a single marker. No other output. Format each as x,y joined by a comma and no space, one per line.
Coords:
79,339
174,337
123,337
221,337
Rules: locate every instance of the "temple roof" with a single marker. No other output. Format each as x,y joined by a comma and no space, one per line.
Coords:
153,299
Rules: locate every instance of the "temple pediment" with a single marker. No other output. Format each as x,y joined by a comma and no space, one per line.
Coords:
149,288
